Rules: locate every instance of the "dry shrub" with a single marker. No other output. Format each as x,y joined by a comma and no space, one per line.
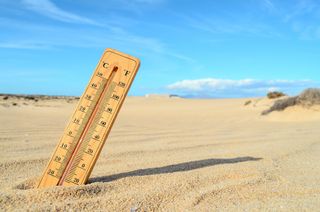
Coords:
281,104
247,102
275,94
307,98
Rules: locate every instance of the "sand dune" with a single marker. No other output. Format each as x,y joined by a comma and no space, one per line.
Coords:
168,154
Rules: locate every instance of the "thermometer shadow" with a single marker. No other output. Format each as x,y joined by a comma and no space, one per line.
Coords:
180,167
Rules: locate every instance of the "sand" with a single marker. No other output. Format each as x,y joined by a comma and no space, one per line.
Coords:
168,154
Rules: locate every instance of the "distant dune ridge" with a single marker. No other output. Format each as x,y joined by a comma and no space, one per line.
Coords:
35,97
20,99
308,98
162,96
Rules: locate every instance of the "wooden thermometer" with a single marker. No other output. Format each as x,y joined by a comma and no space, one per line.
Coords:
83,138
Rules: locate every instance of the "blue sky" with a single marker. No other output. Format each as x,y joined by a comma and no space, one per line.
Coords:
230,48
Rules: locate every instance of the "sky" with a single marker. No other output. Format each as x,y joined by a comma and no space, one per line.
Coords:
213,48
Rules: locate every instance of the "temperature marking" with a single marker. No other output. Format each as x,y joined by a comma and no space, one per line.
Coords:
82,141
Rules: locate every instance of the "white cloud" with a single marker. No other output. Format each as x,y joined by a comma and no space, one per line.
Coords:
212,87
268,4
301,8
23,45
211,83
229,25
147,1
303,18
64,37
134,6
49,9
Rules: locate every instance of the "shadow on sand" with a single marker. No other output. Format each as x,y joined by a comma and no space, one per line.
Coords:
180,167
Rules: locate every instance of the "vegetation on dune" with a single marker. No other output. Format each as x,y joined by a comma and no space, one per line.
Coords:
281,104
247,102
307,98
275,94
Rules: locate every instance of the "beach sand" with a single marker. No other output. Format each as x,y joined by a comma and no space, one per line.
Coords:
168,154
